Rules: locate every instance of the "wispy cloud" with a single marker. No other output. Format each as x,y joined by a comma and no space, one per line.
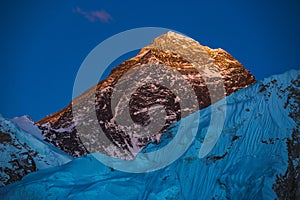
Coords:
94,16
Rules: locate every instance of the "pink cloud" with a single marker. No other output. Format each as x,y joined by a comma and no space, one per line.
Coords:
94,16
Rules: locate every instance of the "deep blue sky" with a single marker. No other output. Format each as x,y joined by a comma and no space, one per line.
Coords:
43,43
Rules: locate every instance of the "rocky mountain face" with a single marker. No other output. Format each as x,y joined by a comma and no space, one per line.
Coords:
22,152
257,156
210,73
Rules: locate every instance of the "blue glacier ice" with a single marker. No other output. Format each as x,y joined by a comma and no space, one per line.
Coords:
250,152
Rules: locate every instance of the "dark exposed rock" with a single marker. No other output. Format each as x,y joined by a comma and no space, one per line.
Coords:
22,153
20,163
287,185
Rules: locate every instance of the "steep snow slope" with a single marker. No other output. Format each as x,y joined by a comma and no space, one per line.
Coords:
256,154
21,152
27,124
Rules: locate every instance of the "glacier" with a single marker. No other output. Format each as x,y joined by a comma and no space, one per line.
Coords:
250,156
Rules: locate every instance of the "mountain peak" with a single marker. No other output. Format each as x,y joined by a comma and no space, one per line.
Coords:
175,42
196,63
171,35
192,51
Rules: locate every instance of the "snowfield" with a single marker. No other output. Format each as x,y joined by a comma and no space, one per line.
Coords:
249,161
